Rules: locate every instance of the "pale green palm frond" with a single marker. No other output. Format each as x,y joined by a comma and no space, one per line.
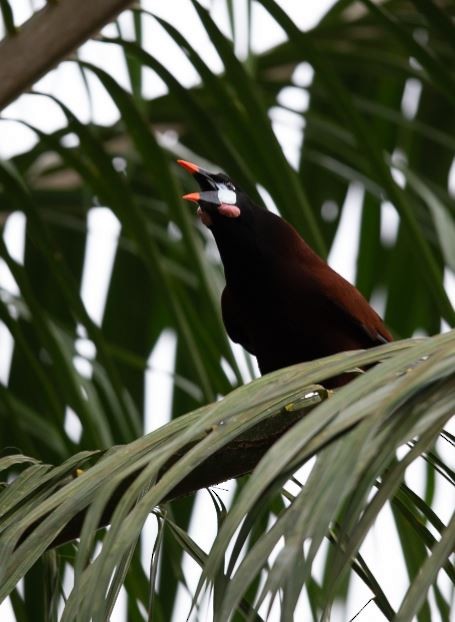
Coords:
354,435
364,441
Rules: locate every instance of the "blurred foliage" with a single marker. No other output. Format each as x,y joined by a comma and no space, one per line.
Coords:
357,130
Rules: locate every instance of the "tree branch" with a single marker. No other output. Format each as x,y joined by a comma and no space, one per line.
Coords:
47,38
235,459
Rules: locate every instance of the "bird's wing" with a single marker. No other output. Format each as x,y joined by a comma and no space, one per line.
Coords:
356,310
372,327
232,321
312,277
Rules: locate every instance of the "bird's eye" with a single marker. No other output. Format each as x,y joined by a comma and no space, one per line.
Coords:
230,185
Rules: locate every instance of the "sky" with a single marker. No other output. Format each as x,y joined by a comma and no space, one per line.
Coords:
104,229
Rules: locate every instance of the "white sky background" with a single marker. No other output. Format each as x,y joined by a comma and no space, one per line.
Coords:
65,83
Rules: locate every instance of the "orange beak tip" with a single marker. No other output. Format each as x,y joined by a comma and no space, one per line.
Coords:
193,196
190,167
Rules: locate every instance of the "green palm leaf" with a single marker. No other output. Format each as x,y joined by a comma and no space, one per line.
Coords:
358,445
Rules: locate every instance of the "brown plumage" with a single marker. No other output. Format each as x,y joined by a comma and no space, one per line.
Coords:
281,302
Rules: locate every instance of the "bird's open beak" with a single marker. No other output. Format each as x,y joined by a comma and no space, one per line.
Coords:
213,198
209,190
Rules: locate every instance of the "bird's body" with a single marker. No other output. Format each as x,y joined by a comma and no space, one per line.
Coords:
281,302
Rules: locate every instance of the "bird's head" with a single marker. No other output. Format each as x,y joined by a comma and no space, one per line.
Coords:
219,198
249,237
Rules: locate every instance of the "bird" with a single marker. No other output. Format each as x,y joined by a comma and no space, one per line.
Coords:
282,302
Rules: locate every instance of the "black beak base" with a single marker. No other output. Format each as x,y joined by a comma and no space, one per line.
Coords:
208,197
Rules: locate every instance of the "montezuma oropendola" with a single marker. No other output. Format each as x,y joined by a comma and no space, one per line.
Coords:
281,302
